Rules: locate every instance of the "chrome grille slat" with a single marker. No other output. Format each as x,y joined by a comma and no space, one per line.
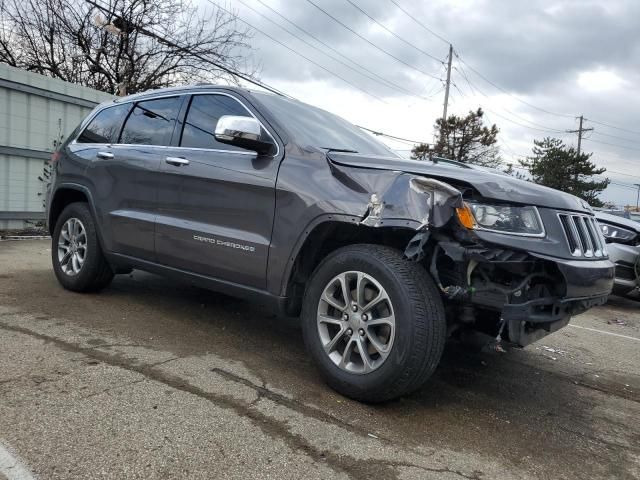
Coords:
583,234
587,250
593,229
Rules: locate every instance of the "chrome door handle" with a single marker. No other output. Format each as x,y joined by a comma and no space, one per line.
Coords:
177,161
105,155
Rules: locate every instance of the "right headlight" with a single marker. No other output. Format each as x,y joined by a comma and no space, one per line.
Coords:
613,232
509,219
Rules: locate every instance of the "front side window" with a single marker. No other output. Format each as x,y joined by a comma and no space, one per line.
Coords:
151,122
202,117
105,126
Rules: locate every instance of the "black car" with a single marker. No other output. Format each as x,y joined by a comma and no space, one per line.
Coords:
264,197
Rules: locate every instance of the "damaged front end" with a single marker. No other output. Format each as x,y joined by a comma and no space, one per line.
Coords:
518,285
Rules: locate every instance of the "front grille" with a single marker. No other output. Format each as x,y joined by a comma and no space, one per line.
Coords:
583,235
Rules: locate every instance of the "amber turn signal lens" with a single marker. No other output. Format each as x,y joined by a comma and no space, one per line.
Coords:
466,217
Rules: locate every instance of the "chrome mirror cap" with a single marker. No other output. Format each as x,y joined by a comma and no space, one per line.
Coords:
232,127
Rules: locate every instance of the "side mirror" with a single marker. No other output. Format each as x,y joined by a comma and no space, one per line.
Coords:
242,132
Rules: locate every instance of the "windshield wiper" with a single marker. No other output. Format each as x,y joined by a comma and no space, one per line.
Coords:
340,150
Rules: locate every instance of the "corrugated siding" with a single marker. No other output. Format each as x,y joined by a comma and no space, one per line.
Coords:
32,121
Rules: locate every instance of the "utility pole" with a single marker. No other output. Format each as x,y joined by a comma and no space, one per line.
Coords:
446,95
637,197
446,88
580,131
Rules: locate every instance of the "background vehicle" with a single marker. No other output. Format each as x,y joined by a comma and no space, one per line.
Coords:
282,203
623,244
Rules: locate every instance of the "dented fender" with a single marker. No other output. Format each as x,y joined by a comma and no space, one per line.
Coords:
401,199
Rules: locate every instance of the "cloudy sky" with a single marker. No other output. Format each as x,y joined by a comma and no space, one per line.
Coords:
532,65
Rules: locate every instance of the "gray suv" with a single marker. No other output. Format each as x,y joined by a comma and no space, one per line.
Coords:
266,198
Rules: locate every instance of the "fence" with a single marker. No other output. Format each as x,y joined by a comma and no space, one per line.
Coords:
35,111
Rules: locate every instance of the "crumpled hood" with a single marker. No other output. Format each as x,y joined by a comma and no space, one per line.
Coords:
490,185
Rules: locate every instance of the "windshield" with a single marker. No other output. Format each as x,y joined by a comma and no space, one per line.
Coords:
311,126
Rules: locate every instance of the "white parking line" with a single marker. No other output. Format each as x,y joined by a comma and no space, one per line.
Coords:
11,467
606,333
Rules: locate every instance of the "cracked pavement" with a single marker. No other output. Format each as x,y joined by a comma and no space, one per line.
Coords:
153,379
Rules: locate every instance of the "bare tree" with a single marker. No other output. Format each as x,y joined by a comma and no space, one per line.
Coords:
123,45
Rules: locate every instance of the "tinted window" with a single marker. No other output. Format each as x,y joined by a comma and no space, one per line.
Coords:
105,127
319,128
202,117
151,122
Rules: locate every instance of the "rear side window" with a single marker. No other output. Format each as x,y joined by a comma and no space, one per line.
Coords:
105,126
151,122
202,117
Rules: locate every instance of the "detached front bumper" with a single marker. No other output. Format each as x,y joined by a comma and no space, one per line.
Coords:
588,284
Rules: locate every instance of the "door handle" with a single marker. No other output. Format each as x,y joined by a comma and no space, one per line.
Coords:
105,155
177,161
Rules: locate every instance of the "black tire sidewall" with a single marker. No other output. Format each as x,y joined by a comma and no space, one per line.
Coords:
93,264
396,365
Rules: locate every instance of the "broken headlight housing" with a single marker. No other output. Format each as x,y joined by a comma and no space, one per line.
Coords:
509,219
613,233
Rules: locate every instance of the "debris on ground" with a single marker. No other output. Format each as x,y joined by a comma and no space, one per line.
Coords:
616,321
555,351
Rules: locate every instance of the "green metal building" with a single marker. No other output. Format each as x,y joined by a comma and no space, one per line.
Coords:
35,112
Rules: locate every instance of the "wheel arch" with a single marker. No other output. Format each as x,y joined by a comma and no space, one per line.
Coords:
322,237
64,195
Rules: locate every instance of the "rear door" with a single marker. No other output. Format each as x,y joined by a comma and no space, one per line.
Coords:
215,201
124,173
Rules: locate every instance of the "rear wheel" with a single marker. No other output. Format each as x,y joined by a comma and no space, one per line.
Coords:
373,322
78,261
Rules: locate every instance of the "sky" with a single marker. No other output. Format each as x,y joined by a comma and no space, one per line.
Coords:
533,66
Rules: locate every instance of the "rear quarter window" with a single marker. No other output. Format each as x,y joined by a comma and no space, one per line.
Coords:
105,126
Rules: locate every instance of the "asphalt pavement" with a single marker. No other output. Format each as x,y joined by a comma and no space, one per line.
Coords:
152,379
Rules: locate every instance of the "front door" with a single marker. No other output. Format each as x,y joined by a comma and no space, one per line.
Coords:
215,202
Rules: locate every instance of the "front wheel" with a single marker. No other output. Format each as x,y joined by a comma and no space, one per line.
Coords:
373,322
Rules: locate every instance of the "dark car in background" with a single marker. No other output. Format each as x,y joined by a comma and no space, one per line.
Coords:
269,199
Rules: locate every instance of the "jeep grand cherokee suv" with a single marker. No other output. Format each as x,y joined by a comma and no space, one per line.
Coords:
267,198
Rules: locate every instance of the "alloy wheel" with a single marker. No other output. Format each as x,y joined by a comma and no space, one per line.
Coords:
356,322
72,246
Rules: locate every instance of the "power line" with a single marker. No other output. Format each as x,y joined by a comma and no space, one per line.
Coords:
544,130
614,136
372,75
370,42
231,71
444,40
510,94
300,54
393,33
412,17
613,126
377,133
613,144
474,88
173,44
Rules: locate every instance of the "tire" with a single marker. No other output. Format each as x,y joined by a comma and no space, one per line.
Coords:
416,305
94,273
